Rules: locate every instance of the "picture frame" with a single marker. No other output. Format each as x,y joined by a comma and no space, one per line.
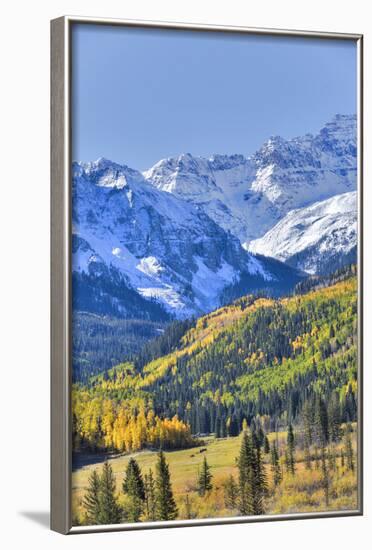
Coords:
61,269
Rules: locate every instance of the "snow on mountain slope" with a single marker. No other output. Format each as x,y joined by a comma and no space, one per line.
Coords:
247,196
219,185
128,234
175,238
316,239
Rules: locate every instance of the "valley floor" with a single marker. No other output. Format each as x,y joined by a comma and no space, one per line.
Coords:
301,492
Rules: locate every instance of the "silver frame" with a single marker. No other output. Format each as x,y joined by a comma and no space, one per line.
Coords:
61,443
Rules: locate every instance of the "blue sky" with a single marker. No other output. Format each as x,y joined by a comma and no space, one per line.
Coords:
140,95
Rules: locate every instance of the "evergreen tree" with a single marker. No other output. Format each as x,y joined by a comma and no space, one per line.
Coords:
350,405
290,450
259,479
133,483
204,478
275,466
334,418
109,509
308,416
246,475
233,429
217,427
260,436
321,422
166,508
91,499
252,476
133,486
266,445
150,499
231,493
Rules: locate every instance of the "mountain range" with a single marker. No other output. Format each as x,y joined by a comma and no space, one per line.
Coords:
247,196
175,239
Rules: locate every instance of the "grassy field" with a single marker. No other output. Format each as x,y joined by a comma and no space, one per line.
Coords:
302,492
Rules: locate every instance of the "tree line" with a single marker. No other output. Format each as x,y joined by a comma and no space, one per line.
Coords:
101,342
270,359
104,424
260,465
268,363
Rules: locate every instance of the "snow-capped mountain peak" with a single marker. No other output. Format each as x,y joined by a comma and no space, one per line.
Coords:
246,196
129,234
191,229
317,239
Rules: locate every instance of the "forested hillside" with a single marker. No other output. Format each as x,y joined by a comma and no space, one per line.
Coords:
257,356
101,342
